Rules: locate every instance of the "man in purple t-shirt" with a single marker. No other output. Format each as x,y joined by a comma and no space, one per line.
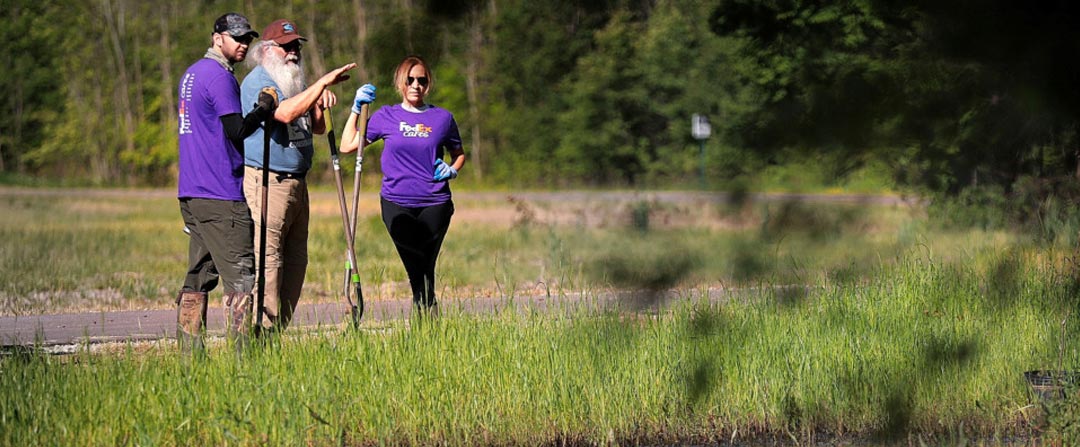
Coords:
210,187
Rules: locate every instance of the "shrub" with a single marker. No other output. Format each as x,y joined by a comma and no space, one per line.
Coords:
1045,208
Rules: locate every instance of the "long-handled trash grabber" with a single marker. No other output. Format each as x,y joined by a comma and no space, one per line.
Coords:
356,309
268,127
361,126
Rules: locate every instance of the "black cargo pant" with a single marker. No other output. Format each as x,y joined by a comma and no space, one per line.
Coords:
221,244
418,235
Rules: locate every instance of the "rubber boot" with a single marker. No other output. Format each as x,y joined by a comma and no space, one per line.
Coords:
190,320
238,307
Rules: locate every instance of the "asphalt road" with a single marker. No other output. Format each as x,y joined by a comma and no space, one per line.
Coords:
102,327
75,329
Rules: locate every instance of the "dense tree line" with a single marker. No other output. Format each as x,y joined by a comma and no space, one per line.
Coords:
567,93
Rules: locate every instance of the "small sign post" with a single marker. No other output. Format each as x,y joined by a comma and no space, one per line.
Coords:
700,130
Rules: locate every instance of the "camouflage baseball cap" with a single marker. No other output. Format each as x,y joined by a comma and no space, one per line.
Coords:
234,24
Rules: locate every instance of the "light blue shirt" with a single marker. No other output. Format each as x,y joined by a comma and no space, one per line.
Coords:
290,144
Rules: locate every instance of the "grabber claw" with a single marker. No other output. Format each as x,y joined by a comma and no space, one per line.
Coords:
355,313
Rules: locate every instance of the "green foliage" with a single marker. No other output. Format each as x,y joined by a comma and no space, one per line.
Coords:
1063,418
606,105
955,97
535,46
983,207
565,94
34,33
629,102
1044,209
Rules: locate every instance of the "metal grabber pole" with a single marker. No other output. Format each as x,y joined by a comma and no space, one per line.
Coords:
268,129
356,309
361,127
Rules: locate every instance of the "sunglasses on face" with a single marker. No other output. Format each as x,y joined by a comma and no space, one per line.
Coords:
242,40
290,47
422,80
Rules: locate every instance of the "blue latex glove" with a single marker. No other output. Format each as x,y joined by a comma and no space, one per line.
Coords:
364,95
444,171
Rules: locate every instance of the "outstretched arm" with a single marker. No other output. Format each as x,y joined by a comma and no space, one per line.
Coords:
294,107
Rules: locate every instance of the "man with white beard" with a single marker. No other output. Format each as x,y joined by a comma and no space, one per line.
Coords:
298,116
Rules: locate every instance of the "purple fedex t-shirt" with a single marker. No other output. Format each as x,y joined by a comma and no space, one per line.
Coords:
210,165
412,142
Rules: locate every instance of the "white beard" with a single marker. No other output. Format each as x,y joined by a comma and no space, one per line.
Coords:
287,74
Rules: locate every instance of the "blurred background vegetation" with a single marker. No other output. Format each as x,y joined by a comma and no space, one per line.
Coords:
972,100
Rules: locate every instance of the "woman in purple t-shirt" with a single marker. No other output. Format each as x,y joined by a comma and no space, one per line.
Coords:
416,202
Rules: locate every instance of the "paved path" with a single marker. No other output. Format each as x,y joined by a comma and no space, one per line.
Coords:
98,327
118,326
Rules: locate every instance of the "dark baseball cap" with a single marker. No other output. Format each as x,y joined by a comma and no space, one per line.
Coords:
282,31
235,25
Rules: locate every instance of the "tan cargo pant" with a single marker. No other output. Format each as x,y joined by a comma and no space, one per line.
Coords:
287,216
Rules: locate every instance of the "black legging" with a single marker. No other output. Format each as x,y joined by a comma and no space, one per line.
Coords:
418,235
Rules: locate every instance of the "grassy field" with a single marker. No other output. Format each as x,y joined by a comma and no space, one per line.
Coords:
78,250
887,330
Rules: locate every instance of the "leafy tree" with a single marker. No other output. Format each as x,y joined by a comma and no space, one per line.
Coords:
564,93
32,87
687,70
949,93
822,71
534,45
607,110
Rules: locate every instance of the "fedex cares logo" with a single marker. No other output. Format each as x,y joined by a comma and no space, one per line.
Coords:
418,131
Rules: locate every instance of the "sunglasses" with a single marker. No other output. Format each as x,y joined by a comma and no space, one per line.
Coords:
242,40
291,46
422,80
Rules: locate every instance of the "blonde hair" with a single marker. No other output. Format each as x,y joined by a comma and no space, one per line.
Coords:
402,73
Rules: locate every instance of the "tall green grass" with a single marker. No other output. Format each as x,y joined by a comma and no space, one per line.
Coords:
925,348
851,319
